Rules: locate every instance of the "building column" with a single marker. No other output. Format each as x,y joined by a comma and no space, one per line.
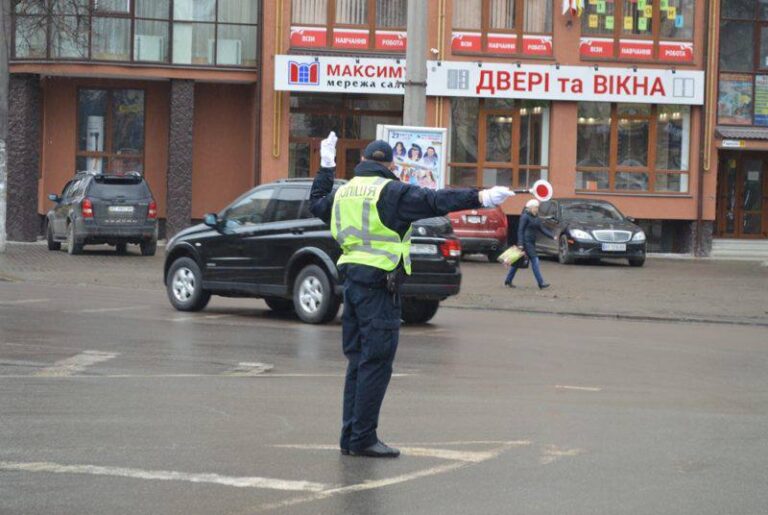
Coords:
707,233
179,193
24,120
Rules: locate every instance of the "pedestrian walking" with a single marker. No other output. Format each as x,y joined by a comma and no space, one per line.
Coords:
370,217
529,225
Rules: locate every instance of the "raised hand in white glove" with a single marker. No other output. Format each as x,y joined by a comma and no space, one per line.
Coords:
495,196
328,151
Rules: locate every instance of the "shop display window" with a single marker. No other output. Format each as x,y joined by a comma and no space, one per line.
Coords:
635,148
110,131
354,119
638,30
498,142
182,32
743,81
349,24
502,27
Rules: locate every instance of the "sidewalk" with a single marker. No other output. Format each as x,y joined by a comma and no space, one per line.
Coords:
664,289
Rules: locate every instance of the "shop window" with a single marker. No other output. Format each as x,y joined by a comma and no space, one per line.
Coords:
743,81
349,24
502,27
201,32
498,142
638,30
110,131
353,117
632,148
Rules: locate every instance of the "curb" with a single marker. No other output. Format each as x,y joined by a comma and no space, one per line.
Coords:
615,316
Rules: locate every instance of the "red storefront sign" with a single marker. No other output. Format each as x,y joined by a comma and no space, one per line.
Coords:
537,45
501,43
353,39
635,49
596,47
391,40
309,37
466,42
676,52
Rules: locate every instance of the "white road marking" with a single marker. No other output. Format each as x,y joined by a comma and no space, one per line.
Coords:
71,366
177,376
381,483
166,475
508,443
198,317
417,452
107,310
23,301
247,368
552,453
579,388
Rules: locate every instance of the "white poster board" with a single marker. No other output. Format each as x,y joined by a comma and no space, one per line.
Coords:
420,153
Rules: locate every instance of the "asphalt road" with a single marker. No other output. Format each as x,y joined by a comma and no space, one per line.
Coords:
111,402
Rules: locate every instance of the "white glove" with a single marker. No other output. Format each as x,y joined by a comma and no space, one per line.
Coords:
328,151
495,196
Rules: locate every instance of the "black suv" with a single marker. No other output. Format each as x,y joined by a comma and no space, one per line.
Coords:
96,209
267,244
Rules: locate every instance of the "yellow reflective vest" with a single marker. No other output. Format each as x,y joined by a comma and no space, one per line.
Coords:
356,225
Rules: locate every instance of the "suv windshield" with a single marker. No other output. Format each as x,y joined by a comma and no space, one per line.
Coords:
108,187
591,212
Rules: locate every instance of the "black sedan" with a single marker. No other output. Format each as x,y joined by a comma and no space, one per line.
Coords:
590,230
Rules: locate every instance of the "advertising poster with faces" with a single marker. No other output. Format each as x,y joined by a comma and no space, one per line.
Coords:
419,154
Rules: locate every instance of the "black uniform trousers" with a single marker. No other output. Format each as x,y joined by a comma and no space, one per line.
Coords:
371,331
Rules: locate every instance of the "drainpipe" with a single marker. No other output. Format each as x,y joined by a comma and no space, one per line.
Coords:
707,124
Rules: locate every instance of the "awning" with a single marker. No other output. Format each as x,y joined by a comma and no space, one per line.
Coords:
742,132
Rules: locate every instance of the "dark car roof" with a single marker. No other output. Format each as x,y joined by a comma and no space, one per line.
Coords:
302,180
572,200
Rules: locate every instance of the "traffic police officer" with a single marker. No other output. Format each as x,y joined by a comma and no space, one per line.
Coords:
370,217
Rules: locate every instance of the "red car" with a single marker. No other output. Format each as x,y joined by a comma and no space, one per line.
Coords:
481,231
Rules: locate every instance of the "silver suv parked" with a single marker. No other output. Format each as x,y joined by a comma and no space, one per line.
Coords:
103,209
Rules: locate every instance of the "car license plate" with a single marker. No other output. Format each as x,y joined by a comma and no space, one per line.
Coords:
474,219
121,209
423,249
614,247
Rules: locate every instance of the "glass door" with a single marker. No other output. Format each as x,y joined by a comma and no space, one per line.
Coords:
742,200
752,192
348,156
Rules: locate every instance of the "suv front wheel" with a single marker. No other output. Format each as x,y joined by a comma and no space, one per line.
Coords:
185,286
313,296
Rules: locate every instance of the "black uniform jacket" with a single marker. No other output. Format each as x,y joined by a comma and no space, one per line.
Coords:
399,205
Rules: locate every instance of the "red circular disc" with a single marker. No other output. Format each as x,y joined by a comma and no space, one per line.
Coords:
542,190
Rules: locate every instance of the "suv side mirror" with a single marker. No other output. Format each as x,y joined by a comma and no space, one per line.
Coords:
630,219
212,220
54,198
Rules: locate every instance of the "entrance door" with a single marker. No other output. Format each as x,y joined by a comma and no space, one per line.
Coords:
742,201
348,154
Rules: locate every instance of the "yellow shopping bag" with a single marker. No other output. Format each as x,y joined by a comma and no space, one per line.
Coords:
510,256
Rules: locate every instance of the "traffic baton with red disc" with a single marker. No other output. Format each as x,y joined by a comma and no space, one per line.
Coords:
542,190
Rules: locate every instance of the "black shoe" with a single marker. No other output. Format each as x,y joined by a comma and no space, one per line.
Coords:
509,285
545,285
378,450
